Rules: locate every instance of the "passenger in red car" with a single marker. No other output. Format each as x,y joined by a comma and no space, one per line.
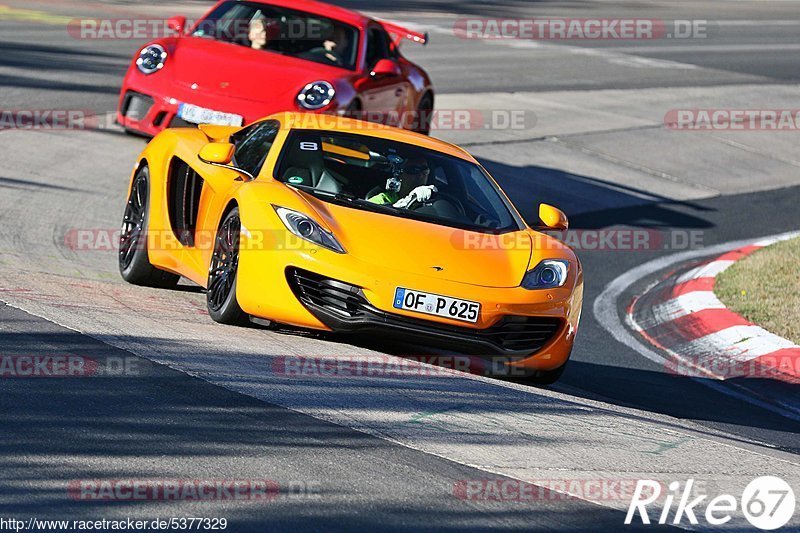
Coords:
258,34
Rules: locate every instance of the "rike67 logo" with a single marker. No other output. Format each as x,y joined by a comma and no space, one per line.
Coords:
767,503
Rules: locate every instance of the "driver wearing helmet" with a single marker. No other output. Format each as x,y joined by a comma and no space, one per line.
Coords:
413,186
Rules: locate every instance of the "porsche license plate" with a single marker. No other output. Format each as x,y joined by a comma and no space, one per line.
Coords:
433,304
201,115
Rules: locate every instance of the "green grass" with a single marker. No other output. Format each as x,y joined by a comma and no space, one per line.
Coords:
765,288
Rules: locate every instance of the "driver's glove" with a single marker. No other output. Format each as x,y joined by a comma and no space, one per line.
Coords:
422,193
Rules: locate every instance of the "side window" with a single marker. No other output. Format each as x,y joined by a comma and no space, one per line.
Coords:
377,46
253,145
481,192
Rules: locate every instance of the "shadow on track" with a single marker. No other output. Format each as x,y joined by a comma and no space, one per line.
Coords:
154,423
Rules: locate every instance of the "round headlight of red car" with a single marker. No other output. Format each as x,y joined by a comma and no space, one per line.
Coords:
151,58
316,95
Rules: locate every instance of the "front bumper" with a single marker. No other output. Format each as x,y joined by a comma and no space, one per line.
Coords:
149,113
530,336
345,308
149,104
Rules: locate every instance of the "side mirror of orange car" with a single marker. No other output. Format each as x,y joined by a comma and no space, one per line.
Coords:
177,24
221,155
216,153
552,218
385,67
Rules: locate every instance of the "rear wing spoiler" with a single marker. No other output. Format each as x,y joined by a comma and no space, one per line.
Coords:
399,33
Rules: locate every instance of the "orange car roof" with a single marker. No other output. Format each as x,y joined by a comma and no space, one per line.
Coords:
312,121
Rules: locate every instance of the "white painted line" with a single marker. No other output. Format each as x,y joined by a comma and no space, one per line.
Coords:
626,60
606,312
685,304
739,343
772,240
709,270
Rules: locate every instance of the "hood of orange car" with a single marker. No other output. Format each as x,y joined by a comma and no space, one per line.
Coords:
395,243
224,69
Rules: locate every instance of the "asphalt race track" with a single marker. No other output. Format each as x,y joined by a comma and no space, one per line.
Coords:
196,400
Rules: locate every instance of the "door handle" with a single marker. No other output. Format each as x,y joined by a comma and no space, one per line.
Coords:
399,92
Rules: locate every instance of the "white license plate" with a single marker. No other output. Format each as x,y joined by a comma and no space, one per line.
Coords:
201,115
433,304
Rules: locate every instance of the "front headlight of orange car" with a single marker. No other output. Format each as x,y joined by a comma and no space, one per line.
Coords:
307,229
548,274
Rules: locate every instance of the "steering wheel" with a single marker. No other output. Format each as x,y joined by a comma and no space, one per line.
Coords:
441,197
487,221
453,200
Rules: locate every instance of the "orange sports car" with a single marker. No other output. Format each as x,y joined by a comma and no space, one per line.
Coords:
339,225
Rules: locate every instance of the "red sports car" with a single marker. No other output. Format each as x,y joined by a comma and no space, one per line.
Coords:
245,60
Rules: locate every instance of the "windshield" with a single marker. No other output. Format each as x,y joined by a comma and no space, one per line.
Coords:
394,178
283,31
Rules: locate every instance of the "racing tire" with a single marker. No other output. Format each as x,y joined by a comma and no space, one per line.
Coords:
425,114
133,259
223,274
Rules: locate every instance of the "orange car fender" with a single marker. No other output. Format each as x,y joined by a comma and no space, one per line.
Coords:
267,248
163,247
